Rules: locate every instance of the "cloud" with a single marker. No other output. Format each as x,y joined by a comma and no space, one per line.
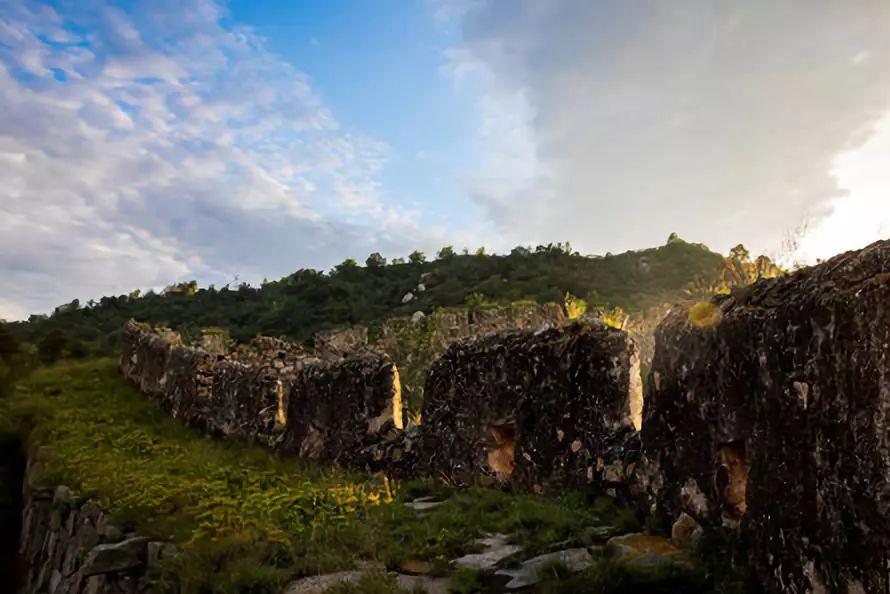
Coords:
612,124
144,147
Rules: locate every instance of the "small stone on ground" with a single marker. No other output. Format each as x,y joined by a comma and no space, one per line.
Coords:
645,551
317,584
496,550
427,584
422,504
528,573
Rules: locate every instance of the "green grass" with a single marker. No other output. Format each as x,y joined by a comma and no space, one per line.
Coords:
246,521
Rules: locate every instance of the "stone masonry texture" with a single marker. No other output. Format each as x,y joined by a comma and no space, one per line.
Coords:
768,412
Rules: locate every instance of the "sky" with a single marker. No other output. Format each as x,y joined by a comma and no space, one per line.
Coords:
144,143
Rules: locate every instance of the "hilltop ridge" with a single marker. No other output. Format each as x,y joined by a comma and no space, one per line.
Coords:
307,301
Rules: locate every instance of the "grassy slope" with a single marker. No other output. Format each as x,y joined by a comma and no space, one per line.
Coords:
246,521
300,304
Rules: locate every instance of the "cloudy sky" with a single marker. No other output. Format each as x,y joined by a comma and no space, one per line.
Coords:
148,142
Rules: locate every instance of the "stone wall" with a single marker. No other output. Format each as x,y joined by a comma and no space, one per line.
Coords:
415,342
269,392
533,408
69,547
336,344
339,409
769,412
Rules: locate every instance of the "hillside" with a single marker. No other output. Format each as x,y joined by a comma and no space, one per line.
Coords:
307,301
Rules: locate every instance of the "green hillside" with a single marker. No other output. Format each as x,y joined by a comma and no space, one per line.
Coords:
306,301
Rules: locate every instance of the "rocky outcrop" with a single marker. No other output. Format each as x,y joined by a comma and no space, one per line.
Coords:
769,411
269,392
69,547
533,409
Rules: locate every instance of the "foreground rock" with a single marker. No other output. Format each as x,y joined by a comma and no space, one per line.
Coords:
496,548
533,408
642,551
532,570
68,547
769,411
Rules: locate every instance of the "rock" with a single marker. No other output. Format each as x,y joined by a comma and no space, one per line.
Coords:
422,583
422,504
62,496
55,579
95,584
408,297
421,288
529,573
417,316
496,549
644,551
599,532
415,567
685,531
768,412
111,533
336,344
535,409
158,551
319,583
108,558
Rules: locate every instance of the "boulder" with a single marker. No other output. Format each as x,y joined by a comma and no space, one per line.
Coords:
530,571
769,412
109,558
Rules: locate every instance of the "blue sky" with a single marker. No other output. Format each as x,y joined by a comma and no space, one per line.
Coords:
378,66
146,142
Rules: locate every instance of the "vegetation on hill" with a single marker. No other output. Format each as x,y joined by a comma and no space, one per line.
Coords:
307,301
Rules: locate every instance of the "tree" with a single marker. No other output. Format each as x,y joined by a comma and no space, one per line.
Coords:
416,257
345,265
375,261
480,251
445,253
50,348
740,254
9,346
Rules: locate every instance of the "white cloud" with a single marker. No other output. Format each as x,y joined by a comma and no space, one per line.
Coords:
862,214
612,124
141,149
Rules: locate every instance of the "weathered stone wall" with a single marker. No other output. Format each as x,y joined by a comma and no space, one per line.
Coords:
336,344
69,547
531,408
336,410
270,393
769,410
415,342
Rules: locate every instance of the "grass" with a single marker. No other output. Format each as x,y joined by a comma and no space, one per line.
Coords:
246,521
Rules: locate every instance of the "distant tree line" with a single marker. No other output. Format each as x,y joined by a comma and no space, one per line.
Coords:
302,303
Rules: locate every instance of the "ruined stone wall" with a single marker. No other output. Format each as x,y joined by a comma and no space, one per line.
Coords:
533,409
270,393
339,409
415,342
769,410
336,344
70,547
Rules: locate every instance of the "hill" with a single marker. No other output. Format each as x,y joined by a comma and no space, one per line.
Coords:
298,305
